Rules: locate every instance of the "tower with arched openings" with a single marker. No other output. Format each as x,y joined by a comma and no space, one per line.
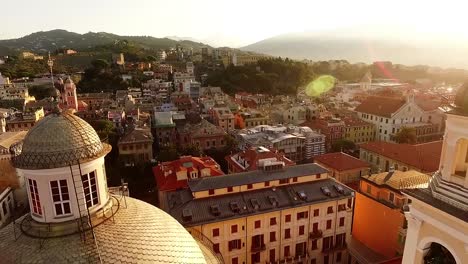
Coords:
438,215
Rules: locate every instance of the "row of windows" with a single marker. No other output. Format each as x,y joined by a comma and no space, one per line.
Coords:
61,196
302,215
266,184
300,250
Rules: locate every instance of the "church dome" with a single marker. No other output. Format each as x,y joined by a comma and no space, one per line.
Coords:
60,140
461,99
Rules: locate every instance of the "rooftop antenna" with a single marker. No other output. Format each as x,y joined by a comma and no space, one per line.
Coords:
50,63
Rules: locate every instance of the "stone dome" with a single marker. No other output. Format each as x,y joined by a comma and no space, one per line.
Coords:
59,140
461,99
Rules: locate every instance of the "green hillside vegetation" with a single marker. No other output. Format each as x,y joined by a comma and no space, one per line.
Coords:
44,41
270,76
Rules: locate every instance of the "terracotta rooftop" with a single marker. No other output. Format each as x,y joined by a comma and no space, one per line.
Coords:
354,121
424,157
166,172
380,106
341,161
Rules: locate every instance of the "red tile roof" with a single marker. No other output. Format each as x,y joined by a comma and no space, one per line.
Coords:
169,182
341,161
380,106
354,121
253,155
424,157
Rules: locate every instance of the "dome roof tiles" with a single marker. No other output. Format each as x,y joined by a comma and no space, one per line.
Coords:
59,140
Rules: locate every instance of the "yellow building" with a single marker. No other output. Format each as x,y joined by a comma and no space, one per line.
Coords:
136,147
358,131
438,215
272,215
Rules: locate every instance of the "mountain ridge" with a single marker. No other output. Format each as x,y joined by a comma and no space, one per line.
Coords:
359,47
44,41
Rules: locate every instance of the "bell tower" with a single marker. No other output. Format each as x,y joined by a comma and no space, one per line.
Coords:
69,97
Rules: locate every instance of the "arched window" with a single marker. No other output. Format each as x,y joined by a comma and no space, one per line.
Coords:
438,254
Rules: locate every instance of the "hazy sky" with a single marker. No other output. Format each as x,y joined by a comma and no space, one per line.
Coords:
233,23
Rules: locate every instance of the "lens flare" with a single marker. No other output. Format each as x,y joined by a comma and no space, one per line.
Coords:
322,84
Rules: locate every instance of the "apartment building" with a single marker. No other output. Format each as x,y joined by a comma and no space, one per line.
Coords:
332,128
279,214
222,117
24,121
136,147
358,131
297,143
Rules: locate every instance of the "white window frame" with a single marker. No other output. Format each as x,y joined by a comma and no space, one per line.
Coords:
35,203
62,201
93,194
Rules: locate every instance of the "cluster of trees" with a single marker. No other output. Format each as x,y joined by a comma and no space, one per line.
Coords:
406,135
104,77
16,68
101,77
42,91
270,76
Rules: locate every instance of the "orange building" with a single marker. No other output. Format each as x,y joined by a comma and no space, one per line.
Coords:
379,222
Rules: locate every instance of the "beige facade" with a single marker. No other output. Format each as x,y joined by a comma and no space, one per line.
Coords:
294,233
307,230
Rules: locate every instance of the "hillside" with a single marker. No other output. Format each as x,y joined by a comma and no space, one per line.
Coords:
43,41
338,45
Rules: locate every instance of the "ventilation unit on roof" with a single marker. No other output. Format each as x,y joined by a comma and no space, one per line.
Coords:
187,214
339,189
235,207
255,203
215,209
325,190
273,200
302,195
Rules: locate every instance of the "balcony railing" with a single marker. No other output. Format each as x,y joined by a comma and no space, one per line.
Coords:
316,234
258,248
197,235
335,248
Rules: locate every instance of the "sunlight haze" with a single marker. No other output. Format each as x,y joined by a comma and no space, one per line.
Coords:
238,23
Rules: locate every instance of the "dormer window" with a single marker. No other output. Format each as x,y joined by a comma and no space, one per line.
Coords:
60,197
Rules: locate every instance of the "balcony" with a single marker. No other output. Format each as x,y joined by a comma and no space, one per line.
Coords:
258,248
334,248
316,234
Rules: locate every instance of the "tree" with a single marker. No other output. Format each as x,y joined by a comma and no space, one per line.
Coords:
343,145
167,153
406,135
103,127
42,91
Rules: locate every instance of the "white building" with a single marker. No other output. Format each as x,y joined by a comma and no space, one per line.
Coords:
391,114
